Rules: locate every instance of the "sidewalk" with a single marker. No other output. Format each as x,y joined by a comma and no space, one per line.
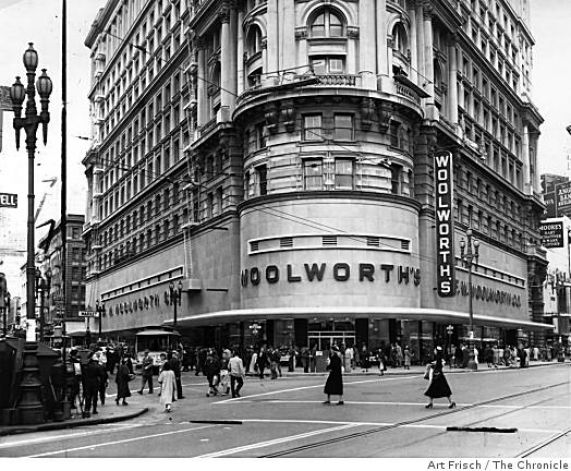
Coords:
108,413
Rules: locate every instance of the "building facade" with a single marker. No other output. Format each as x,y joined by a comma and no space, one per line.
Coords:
63,302
277,158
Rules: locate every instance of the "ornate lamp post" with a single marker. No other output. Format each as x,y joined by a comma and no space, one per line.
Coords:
30,406
469,252
176,297
100,308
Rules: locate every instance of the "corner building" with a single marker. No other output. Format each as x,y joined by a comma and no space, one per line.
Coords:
277,158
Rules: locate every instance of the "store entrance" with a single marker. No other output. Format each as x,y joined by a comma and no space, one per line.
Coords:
325,339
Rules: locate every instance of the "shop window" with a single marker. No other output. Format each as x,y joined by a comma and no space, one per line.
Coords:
313,174
312,128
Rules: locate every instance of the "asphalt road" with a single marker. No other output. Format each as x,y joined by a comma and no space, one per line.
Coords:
504,414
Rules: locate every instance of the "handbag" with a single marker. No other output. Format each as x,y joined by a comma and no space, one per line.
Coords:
427,372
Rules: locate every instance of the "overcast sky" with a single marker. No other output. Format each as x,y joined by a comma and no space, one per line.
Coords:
39,21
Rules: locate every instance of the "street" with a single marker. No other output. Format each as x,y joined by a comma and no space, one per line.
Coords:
500,413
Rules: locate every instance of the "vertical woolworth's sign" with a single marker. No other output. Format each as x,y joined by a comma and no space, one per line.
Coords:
444,224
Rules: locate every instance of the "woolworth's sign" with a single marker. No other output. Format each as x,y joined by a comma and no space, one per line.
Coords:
444,224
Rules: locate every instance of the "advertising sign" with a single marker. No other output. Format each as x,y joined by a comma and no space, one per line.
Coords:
563,192
8,200
551,234
444,224
549,199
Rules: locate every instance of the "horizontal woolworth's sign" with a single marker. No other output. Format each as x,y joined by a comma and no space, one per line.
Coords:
316,272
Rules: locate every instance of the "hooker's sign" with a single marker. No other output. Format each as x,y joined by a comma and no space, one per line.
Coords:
444,225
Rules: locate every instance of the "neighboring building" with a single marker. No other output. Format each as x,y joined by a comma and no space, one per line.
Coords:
286,178
557,286
65,302
556,191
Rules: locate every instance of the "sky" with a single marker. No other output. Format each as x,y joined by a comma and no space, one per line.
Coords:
39,21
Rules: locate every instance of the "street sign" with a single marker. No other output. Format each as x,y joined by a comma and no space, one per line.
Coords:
8,200
87,314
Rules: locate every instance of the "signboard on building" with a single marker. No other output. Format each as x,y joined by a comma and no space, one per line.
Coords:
552,234
87,314
8,200
444,224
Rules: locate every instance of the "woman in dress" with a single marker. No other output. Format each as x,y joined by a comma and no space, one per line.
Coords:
438,386
167,381
334,384
122,380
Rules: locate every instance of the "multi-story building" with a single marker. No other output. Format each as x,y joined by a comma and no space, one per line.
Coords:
277,159
64,302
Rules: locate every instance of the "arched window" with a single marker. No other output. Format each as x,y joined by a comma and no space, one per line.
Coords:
400,39
437,75
327,23
253,40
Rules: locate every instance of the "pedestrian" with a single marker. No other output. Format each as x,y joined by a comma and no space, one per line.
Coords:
291,360
407,355
274,362
348,359
147,373
398,355
489,356
253,368
237,374
382,361
167,380
212,370
438,386
225,372
91,377
77,381
103,382
305,359
313,359
176,369
521,353
262,361
122,379
364,359
334,383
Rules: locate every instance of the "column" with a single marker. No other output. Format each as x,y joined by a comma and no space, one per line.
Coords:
233,56
202,111
452,81
366,67
273,48
240,54
382,64
432,112
287,35
419,65
527,183
413,46
226,100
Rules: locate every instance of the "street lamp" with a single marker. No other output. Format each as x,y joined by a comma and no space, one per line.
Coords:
30,405
100,308
469,252
176,297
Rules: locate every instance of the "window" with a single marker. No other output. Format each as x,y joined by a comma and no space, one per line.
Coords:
313,174
328,65
400,41
262,173
327,24
396,174
344,174
343,127
312,130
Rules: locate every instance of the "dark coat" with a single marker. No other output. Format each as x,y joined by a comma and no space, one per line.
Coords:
91,375
175,366
438,386
334,384
122,380
212,366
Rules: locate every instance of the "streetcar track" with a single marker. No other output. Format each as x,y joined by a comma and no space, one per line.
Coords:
539,446
353,435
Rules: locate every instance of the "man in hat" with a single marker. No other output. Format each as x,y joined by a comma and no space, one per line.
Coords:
147,375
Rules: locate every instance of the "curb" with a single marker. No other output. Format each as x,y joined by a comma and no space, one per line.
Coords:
70,424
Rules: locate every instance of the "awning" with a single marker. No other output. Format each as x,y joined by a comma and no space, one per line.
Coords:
339,312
